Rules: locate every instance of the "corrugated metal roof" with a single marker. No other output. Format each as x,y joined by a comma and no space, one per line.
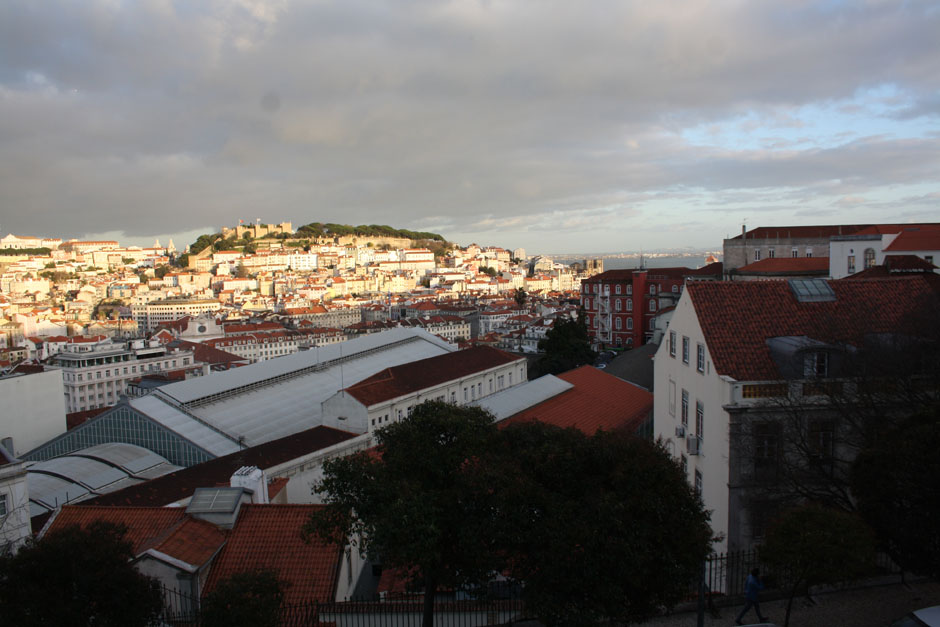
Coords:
184,425
294,404
219,383
515,399
132,458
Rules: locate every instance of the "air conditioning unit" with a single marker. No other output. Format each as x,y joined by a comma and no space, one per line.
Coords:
694,444
680,431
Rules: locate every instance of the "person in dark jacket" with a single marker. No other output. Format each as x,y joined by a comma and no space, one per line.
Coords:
752,588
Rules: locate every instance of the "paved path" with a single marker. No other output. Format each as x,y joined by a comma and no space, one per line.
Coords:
877,606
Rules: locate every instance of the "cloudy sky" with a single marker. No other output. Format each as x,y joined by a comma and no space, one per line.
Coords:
562,126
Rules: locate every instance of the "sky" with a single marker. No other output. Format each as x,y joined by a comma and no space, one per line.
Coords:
556,126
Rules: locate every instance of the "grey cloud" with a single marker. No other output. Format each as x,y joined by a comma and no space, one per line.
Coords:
424,113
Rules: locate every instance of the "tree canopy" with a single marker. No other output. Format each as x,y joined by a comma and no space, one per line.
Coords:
897,485
78,576
814,545
566,346
421,504
247,599
600,526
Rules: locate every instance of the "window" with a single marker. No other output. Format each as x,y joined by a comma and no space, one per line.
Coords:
675,289
480,389
757,254
3,505
685,408
653,288
685,464
869,258
510,378
672,344
766,450
672,398
771,253
617,288
466,395
629,290
700,358
699,482
617,304
851,264
822,443
700,420
652,304
685,349
629,304
794,252
816,364
809,252
618,323
594,322
629,324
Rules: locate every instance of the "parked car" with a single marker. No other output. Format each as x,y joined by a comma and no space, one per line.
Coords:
926,617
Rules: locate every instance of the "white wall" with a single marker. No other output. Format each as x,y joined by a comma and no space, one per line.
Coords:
707,387
33,409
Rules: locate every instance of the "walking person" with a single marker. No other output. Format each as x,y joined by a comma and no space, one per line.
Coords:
752,588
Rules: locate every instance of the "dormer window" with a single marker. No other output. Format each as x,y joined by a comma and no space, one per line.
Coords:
816,364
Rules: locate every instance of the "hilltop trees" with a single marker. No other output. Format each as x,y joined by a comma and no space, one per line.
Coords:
597,527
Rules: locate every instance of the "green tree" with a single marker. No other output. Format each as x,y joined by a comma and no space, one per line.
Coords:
425,503
566,345
897,487
520,296
601,527
78,576
248,599
488,270
162,271
814,545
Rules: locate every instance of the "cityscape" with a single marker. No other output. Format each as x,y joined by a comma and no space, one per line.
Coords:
468,314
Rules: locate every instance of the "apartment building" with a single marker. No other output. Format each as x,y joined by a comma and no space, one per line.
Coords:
96,374
149,315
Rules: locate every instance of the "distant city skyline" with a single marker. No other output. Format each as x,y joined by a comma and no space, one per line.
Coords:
555,127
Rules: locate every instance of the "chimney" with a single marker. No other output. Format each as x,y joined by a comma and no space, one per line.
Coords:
252,478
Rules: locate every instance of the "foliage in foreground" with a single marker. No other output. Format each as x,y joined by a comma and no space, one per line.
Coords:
248,599
897,485
597,527
78,576
813,545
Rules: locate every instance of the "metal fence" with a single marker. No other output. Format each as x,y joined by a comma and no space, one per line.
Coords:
182,610
726,573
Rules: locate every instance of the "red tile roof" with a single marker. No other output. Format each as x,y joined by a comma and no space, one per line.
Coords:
822,231
597,401
192,541
178,485
787,266
924,237
146,526
418,375
737,318
269,537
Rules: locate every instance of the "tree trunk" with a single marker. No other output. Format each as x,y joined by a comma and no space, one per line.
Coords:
786,621
430,588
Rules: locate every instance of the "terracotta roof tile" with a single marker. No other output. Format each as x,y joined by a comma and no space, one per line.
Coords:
418,375
192,541
787,265
924,237
146,526
737,318
597,401
269,537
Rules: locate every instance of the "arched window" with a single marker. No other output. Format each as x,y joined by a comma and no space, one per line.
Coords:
629,324
652,304
617,304
869,258
617,323
629,304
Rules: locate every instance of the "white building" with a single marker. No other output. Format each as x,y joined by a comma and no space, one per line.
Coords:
849,254
149,315
32,412
14,503
461,378
733,350
96,374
